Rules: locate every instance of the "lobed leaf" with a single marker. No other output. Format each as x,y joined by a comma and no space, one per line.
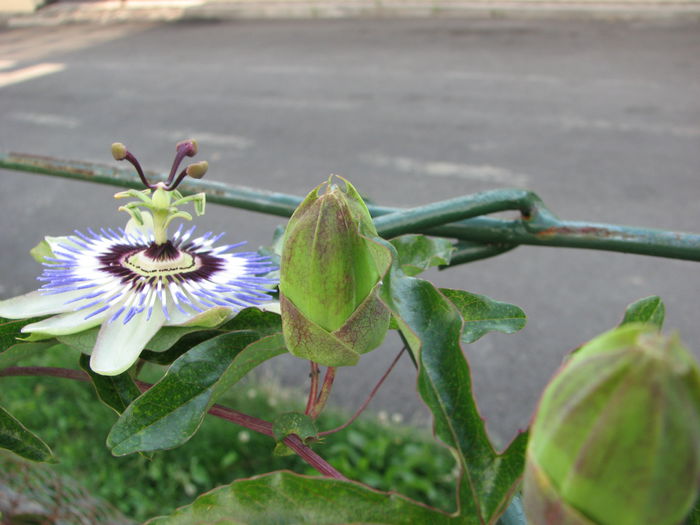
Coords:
432,326
482,314
286,498
15,437
170,412
417,253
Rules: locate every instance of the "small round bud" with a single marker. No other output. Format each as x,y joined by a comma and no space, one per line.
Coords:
198,169
119,151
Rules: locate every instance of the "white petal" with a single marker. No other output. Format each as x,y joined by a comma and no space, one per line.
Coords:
118,345
69,323
272,306
208,318
35,304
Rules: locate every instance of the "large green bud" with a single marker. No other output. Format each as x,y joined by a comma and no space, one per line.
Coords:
330,276
616,437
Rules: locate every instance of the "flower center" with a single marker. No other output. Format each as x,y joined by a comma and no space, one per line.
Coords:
146,265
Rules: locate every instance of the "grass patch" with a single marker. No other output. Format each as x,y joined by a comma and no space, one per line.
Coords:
67,415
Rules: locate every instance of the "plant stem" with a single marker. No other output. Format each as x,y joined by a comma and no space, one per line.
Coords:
324,394
369,398
65,373
313,389
250,422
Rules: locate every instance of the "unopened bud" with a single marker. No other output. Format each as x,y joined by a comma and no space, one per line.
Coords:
330,276
616,437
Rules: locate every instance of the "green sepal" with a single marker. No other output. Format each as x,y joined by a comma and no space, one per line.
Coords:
364,331
327,268
332,269
41,251
649,310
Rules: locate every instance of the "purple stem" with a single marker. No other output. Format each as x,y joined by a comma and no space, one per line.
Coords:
369,398
253,423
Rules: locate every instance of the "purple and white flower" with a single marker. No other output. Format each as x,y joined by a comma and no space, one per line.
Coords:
133,281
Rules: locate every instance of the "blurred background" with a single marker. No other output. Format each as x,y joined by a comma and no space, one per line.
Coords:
600,117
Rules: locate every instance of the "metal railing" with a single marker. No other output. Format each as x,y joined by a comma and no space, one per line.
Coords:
461,219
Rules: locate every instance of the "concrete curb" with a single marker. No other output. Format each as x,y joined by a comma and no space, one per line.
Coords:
118,11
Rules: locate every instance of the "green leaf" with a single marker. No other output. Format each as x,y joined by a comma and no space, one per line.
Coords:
649,310
482,314
432,327
287,498
264,323
694,516
170,412
184,344
20,351
15,437
292,423
168,336
117,392
83,341
11,330
418,253
165,350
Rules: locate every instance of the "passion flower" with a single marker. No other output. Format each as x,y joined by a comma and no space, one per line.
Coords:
135,280
616,437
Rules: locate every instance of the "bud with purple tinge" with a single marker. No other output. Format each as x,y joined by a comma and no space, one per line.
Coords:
616,437
330,276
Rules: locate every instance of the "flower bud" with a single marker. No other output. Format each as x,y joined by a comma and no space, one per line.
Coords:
330,275
616,437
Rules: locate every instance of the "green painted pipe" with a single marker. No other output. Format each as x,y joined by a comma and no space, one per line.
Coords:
461,218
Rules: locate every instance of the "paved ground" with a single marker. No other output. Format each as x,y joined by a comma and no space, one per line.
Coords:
108,11
602,119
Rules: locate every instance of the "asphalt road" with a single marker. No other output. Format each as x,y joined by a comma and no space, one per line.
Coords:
601,119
